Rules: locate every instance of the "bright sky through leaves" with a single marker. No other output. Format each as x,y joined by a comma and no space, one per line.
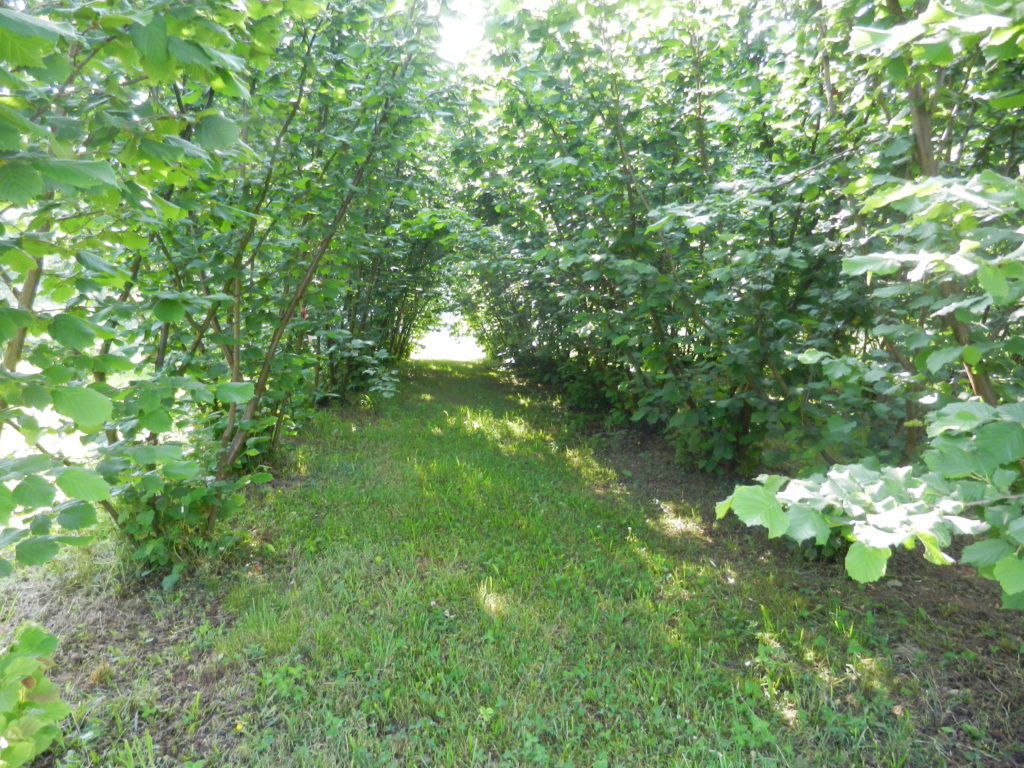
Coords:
462,33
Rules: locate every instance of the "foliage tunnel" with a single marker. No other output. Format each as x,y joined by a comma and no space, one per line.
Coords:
786,234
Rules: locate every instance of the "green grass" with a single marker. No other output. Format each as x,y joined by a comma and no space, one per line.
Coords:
459,579
461,583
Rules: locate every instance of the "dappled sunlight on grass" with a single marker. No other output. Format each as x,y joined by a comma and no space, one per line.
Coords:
672,525
494,603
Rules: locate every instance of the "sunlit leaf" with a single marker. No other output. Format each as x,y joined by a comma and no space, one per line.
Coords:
866,564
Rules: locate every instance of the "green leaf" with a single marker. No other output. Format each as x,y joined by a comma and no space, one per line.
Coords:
19,665
8,330
23,124
11,535
76,515
722,508
756,505
1000,443
169,310
157,421
229,83
132,240
935,13
182,470
168,581
169,210
806,523
1012,412
15,666
84,174
983,554
84,484
10,138
40,524
1015,530
109,363
151,40
116,20
36,551
34,491
161,151
19,183
188,53
941,358
239,392
22,51
100,266
36,396
89,409
216,132
1010,101
993,283
33,640
961,417
55,69
865,563
933,549
938,53
155,454
867,38
878,263
952,461
972,355
18,260
899,192
73,541
29,465
71,331
304,9
228,61
7,504
24,25
979,23
1009,572
1013,603
190,149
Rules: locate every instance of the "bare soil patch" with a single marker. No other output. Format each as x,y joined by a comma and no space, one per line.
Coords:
132,662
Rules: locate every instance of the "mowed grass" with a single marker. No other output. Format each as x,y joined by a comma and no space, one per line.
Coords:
458,581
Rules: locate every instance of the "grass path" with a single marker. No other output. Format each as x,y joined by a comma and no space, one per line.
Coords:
459,580
471,587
